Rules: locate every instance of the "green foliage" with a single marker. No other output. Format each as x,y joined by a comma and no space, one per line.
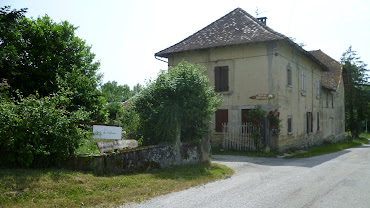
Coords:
357,93
329,148
274,118
38,131
115,93
256,115
179,97
34,53
130,123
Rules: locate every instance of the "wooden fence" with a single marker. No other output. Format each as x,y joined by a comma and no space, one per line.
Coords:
245,136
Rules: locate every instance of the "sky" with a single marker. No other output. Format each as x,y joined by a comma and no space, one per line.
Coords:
125,34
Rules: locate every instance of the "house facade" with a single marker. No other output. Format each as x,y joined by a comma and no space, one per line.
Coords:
250,64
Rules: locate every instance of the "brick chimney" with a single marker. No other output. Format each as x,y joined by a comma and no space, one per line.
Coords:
262,19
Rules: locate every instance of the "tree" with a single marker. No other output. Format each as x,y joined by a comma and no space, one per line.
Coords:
178,104
34,53
115,93
357,96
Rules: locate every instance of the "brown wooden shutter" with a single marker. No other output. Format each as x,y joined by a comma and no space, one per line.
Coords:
225,78
318,121
222,116
221,78
217,79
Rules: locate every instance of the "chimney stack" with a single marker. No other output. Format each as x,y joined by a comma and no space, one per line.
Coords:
262,19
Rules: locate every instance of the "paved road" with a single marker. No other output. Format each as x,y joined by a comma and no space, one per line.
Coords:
340,179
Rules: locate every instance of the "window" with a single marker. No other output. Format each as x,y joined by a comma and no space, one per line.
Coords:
290,125
309,122
221,78
244,115
303,83
317,89
318,121
327,99
289,74
222,116
332,100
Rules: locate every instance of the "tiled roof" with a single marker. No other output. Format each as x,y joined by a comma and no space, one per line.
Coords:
236,27
331,78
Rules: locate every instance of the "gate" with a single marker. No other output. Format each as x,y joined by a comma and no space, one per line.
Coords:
246,136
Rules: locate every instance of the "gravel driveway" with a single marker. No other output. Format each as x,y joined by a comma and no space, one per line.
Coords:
339,179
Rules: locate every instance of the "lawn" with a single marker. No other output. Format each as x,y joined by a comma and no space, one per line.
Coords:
330,148
64,188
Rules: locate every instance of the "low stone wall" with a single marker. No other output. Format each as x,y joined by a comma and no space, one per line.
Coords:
141,159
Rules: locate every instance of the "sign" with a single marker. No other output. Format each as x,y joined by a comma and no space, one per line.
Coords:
119,144
107,132
263,97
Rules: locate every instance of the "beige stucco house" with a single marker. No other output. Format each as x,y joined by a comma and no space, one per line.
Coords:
250,64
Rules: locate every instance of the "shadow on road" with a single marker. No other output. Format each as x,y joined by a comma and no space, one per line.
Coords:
299,162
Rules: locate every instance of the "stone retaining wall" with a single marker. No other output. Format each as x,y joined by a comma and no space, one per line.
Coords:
141,159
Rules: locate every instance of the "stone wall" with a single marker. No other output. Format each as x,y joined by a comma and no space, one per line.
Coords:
140,159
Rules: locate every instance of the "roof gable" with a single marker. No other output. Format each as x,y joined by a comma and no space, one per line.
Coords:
331,78
236,27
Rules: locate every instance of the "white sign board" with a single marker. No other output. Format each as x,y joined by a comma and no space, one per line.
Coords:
107,132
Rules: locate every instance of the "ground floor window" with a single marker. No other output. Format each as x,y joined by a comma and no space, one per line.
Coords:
244,115
290,125
222,116
318,121
309,122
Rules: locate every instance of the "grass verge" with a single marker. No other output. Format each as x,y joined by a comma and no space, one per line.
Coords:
330,148
220,151
63,188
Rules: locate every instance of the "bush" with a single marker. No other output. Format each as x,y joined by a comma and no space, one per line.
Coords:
38,131
180,100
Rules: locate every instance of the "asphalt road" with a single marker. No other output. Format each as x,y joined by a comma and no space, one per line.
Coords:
339,179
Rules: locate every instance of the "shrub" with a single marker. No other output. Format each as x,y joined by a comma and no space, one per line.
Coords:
38,131
180,100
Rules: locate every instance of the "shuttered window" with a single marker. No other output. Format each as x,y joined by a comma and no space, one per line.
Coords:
289,74
318,121
221,78
222,116
244,115
290,125
309,122
303,83
317,89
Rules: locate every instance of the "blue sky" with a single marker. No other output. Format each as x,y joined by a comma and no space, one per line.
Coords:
125,34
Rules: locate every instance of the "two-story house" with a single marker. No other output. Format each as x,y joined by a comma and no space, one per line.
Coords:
250,64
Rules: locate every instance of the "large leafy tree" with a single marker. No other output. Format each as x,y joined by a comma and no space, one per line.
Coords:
41,55
357,96
177,105
115,93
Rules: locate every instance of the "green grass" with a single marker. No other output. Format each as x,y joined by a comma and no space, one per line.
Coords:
330,148
89,146
64,188
220,151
